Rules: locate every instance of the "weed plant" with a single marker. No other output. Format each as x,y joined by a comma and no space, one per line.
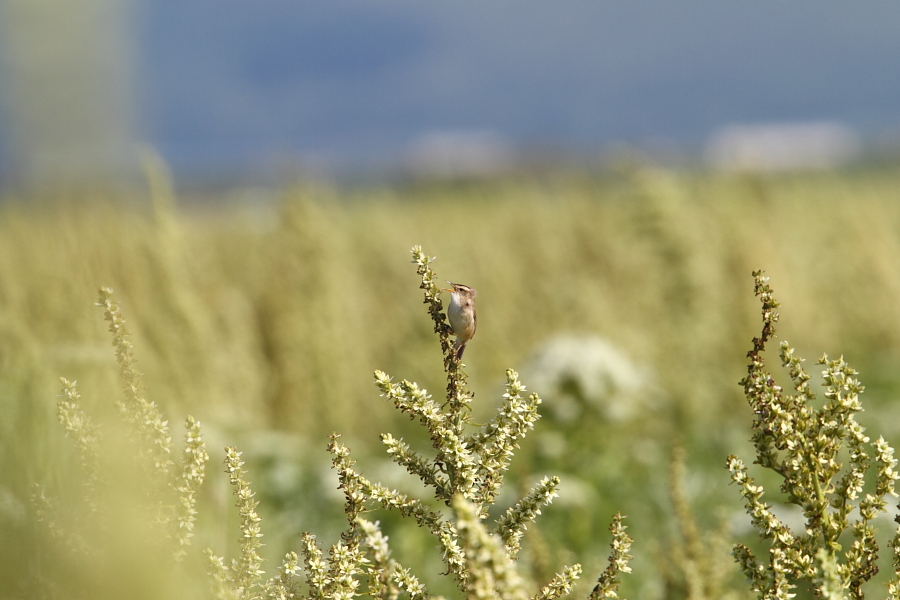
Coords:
465,476
823,457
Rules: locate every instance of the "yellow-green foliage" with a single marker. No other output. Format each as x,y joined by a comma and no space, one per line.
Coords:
824,458
465,474
272,316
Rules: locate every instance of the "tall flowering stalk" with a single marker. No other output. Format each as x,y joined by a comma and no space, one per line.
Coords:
171,495
151,429
80,427
193,471
823,457
458,395
176,493
239,580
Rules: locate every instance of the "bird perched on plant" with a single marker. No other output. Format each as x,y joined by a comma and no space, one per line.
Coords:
462,315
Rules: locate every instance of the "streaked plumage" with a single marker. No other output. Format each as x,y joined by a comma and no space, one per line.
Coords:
462,315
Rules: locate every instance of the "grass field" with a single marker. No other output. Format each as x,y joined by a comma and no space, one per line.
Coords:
625,300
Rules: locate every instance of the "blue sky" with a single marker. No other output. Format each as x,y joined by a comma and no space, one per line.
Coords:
224,82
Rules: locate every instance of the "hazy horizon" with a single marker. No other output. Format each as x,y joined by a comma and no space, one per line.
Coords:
231,85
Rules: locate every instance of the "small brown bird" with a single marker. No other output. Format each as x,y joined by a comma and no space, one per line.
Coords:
462,315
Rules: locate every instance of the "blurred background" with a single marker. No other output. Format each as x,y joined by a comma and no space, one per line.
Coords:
250,177
275,88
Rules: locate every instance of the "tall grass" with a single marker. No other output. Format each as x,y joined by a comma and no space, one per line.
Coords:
266,322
